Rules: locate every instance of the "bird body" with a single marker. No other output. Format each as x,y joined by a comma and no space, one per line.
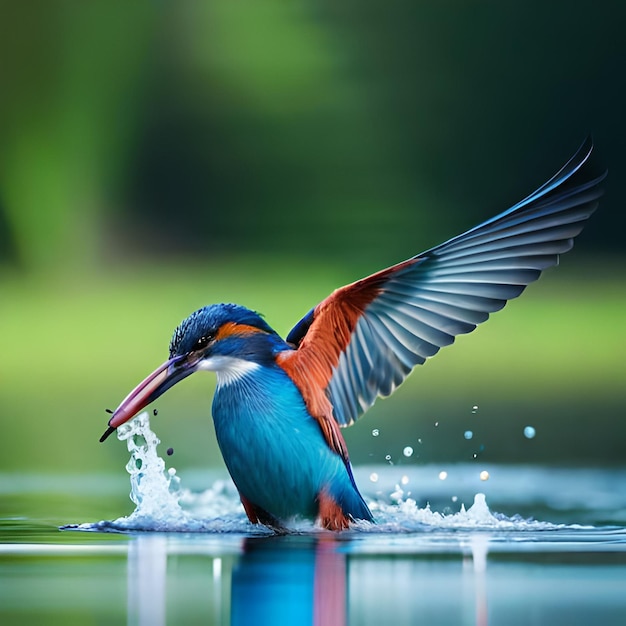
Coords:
275,450
279,404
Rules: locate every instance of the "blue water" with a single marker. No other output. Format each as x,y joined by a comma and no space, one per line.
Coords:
462,544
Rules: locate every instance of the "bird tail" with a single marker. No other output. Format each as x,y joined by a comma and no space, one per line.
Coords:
351,501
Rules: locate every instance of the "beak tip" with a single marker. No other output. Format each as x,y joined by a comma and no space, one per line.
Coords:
107,432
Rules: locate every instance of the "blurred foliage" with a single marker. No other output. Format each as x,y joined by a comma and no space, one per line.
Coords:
70,77
313,127
157,156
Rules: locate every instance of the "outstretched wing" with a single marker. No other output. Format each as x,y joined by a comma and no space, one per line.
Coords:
364,339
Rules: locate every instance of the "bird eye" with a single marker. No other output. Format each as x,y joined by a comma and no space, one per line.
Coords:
203,342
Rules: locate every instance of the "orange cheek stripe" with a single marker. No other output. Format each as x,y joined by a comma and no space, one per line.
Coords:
230,328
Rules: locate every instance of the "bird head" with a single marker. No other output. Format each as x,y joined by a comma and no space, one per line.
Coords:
226,338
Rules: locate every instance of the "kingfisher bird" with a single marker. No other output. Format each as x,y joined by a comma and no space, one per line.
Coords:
279,404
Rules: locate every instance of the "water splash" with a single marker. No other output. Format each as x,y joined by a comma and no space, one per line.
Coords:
403,515
162,504
153,490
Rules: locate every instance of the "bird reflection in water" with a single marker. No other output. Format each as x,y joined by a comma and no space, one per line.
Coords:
275,580
304,580
289,580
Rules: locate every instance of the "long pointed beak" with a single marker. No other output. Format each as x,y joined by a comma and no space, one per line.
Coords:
155,385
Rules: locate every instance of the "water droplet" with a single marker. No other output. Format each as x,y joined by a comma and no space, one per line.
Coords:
408,451
375,432
155,412
374,477
436,424
443,475
474,455
475,409
405,480
529,432
170,451
419,441
484,475
468,434
455,498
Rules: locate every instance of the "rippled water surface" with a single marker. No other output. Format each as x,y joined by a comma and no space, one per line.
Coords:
465,544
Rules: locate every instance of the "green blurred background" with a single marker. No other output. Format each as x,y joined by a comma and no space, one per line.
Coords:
159,156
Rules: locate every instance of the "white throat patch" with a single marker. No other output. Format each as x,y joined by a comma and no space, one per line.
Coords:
229,369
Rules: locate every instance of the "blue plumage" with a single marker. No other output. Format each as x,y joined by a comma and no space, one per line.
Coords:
275,451
203,325
279,404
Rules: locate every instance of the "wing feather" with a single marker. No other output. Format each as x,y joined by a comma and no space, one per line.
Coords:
365,338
